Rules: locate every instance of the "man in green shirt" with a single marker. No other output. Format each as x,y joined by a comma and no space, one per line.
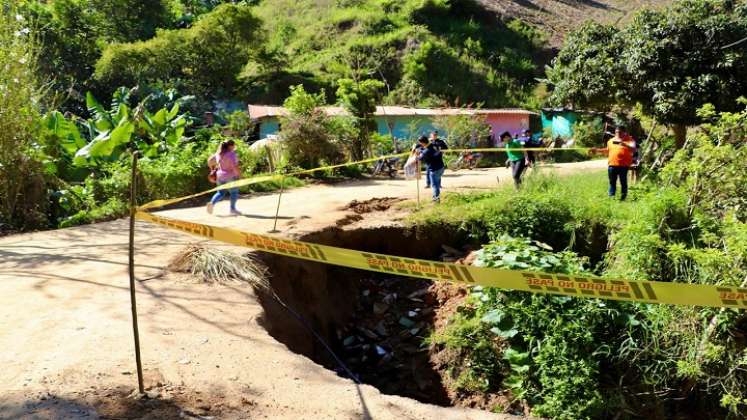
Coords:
518,158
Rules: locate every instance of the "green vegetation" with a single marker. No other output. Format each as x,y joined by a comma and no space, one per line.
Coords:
65,153
583,358
23,180
660,61
431,51
166,63
206,57
307,131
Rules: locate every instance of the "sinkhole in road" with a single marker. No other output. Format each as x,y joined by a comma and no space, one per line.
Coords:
377,324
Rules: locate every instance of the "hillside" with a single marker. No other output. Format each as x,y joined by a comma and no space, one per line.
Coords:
427,52
556,18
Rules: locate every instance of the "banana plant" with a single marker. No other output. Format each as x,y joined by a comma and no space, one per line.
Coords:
160,131
63,132
61,140
123,127
109,131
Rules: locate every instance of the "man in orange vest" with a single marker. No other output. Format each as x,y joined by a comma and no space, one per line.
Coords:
620,149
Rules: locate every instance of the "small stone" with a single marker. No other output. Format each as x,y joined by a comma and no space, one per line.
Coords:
414,331
380,308
368,333
406,322
412,314
233,378
366,292
348,341
204,340
418,293
152,394
184,361
135,395
380,351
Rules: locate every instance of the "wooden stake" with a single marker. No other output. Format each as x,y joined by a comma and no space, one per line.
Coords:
133,303
277,212
417,185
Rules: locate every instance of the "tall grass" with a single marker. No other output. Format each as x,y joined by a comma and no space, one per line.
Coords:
569,212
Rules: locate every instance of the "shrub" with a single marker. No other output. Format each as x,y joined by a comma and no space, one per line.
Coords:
463,131
23,181
589,132
307,140
547,350
209,55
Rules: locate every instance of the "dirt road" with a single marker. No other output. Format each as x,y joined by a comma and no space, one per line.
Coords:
66,338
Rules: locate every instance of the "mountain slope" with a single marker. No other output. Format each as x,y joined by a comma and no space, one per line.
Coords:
558,17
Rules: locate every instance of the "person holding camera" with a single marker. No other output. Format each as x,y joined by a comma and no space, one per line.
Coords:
620,150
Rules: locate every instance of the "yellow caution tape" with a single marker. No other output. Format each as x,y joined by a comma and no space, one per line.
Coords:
264,178
534,282
234,184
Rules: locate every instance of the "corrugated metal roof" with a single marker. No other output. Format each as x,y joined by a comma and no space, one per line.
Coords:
265,111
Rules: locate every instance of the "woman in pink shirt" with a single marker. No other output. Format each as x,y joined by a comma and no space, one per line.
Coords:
228,171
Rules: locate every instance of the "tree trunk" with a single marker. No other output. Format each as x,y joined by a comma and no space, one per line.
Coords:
680,135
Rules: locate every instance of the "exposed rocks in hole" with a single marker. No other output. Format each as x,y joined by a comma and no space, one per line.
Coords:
383,343
380,316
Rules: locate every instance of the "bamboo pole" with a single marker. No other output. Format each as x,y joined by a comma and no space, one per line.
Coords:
417,185
280,196
133,302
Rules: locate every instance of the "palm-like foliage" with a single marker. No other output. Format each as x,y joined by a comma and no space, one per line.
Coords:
111,132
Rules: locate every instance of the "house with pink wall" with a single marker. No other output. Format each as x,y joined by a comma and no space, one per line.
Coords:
407,123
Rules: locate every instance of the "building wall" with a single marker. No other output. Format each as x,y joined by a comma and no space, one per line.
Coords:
405,127
268,126
512,123
561,123
412,127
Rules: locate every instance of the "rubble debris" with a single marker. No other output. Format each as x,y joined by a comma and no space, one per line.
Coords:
383,343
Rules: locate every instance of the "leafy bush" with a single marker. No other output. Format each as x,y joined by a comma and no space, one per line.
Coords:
307,140
209,55
23,180
589,132
547,350
464,131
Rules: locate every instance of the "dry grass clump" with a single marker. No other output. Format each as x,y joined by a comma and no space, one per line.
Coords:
211,265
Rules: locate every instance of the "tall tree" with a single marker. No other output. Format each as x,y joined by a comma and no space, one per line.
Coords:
360,99
669,61
72,33
207,57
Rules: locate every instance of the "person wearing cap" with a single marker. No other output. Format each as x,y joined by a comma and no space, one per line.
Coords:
620,149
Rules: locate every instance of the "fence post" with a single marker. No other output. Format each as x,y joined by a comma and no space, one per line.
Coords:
277,211
417,185
133,302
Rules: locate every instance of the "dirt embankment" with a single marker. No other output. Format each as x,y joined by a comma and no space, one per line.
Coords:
556,18
375,327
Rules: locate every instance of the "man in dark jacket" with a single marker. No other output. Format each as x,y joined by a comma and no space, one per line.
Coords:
440,145
434,163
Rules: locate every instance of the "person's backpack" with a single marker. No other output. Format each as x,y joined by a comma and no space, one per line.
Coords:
213,166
